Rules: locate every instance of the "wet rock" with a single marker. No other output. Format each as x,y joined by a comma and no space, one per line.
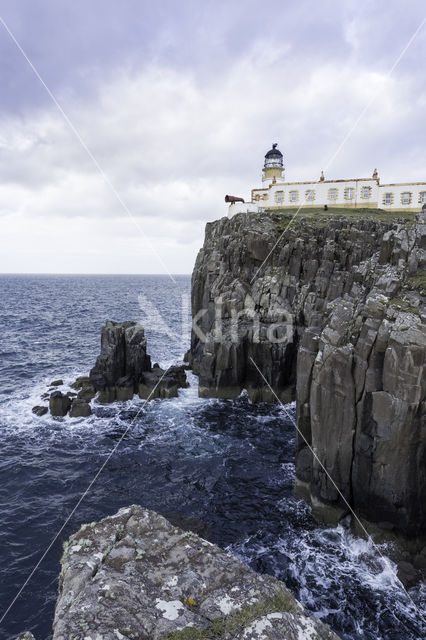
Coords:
25,636
407,574
160,383
80,382
57,383
87,392
335,318
80,409
40,411
137,575
59,404
123,354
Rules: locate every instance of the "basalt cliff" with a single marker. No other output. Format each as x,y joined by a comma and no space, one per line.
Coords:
329,311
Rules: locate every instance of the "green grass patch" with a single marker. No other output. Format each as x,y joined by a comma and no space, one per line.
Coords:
404,305
417,282
238,620
321,218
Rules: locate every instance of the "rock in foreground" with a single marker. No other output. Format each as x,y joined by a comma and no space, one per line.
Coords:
135,575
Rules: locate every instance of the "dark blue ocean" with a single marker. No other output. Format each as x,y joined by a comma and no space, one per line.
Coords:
227,464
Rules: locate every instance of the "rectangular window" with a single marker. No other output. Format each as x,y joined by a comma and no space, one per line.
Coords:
365,193
422,197
279,196
388,199
332,194
294,196
310,194
406,197
349,193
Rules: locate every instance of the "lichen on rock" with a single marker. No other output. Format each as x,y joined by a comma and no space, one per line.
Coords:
136,576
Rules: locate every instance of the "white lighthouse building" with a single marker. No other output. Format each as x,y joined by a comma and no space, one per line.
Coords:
353,193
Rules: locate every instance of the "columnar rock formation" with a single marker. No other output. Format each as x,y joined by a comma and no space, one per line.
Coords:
332,312
135,575
122,369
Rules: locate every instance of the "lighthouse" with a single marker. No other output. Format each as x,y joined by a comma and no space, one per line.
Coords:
273,169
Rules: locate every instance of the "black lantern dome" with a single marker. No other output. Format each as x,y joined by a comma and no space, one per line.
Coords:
274,157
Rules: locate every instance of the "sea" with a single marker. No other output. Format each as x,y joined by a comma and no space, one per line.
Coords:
227,466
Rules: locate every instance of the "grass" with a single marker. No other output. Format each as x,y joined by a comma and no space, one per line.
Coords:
418,282
321,218
404,305
238,620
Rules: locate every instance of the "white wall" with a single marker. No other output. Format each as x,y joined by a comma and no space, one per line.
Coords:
321,191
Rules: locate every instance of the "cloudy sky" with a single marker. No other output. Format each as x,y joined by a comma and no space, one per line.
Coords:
171,104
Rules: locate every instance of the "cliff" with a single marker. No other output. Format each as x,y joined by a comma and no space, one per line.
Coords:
332,313
136,576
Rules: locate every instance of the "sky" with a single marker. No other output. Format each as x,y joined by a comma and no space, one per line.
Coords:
136,117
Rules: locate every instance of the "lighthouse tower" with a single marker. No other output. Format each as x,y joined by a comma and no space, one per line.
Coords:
273,169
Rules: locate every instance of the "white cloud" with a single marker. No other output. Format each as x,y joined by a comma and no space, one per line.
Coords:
173,144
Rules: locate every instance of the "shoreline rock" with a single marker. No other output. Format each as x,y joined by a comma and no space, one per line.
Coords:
135,575
348,296
122,369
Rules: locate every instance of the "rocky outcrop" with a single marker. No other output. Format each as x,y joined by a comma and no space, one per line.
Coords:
123,357
136,576
332,313
122,369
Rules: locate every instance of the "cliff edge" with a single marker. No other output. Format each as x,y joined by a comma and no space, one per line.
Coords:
136,576
330,312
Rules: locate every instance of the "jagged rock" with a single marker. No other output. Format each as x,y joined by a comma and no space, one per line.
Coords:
80,409
57,383
80,382
407,574
87,392
161,383
59,404
25,636
334,318
135,575
40,411
123,354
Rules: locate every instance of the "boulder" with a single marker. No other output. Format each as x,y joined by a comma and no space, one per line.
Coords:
40,411
80,409
80,382
59,404
162,383
135,575
87,392
57,383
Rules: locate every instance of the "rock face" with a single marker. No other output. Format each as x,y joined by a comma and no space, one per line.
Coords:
122,369
59,404
135,575
123,356
334,318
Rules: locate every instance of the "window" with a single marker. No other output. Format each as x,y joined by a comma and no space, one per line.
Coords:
388,198
406,197
422,197
310,194
294,196
365,192
332,194
279,196
349,193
